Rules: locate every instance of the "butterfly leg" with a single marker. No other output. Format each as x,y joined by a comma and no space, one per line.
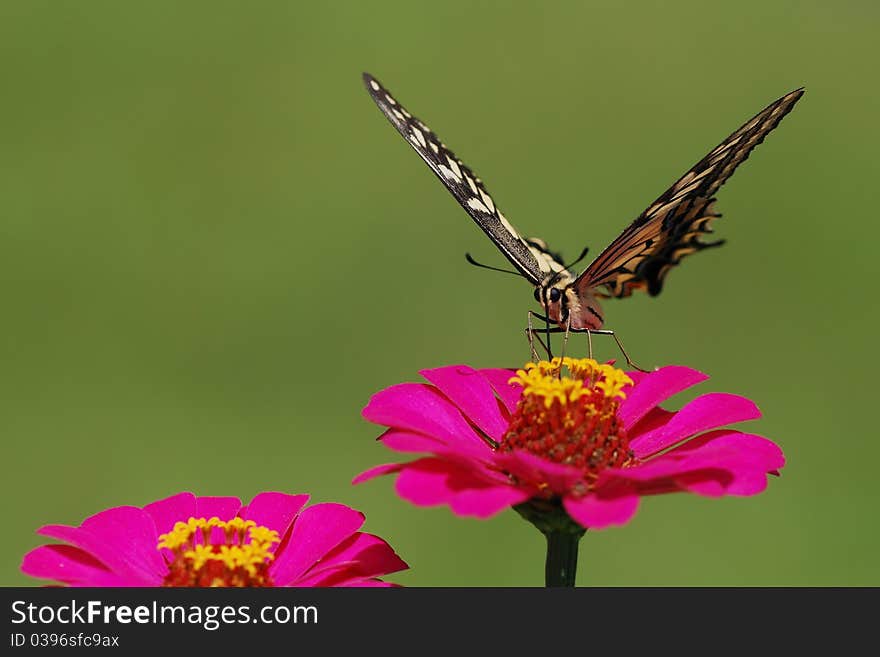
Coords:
547,333
565,338
534,334
629,360
530,334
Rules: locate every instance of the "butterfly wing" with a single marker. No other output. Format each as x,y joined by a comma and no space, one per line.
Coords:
671,227
549,261
461,181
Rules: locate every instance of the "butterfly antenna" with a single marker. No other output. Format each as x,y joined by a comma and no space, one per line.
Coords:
480,264
558,274
579,258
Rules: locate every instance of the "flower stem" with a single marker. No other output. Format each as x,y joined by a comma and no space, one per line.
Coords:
562,558
563,535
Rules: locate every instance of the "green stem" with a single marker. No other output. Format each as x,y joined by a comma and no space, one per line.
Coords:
562,558
563,536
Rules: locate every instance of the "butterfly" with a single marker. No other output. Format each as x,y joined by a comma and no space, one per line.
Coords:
641,256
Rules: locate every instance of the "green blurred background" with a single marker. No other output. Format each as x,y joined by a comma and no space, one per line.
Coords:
214,249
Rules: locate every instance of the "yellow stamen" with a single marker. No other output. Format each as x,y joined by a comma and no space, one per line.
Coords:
246,545
570,418
543,379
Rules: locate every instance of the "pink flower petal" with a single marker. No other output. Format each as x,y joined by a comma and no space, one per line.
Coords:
225,508
703,413
473,394
275,510
372,554
653,389
316,531
600,510
727,463
708,483
746,458
468,491
401,440
421,408
744,484
487,501
370,583
323,575
536,471
360,556
635,375
509,393
378,471
655,418
755,450
132,530
123,538
167,511
72,566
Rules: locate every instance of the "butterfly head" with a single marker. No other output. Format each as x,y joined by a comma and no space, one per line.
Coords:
562,302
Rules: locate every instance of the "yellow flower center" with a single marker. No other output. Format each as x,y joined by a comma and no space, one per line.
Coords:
215,552
571,419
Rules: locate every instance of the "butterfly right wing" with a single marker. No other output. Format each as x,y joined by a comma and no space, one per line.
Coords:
671,227
464,185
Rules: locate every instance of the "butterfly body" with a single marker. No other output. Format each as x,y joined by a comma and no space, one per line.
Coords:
556,293
568,308
638,259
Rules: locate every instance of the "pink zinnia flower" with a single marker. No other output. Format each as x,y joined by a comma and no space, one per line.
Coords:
593,442
186,540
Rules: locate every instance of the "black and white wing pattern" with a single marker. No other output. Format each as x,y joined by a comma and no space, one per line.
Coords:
549,261
671,227
532,260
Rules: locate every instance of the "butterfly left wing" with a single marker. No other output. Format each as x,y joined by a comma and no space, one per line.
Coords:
549,261
671,227
462,182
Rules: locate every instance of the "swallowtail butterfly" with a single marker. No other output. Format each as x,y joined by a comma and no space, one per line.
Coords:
639,259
